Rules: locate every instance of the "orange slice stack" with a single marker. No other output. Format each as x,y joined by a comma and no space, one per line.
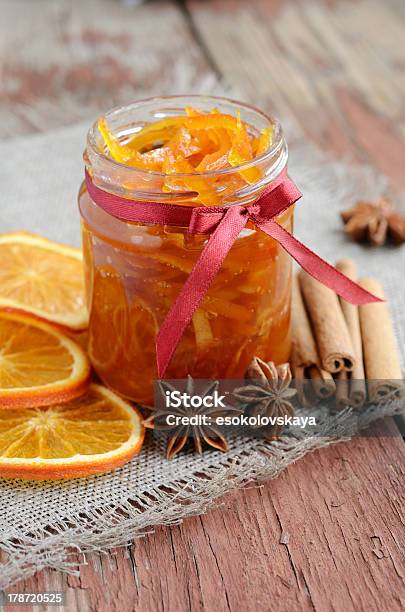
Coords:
53,423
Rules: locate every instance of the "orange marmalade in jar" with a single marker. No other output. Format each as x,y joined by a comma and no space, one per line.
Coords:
188,151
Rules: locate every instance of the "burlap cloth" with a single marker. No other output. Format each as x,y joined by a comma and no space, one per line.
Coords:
41,523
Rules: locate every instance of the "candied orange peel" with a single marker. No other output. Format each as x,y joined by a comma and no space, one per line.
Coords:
193,144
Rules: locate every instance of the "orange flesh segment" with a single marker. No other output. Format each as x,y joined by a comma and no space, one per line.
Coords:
43,278
94,433
38,364
193,143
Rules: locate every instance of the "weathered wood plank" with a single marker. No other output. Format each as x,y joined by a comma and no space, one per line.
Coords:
332,71
64,61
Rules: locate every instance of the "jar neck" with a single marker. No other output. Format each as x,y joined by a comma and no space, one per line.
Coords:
140,184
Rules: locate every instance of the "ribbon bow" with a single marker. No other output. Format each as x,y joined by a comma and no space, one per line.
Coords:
224,225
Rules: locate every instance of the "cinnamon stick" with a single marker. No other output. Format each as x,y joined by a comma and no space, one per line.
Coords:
329,325
305,395
304,347
322,382
381,357
305,358
342,390
357,386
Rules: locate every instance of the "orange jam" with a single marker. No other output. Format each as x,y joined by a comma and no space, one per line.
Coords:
165,150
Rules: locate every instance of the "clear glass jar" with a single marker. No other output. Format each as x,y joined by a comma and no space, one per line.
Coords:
134,271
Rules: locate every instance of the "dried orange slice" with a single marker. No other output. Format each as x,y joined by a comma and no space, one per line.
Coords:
43,278
95,433
38,364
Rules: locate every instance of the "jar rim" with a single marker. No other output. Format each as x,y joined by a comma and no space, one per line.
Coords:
278,142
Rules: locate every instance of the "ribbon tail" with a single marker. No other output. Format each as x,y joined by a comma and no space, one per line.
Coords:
318,267
197,285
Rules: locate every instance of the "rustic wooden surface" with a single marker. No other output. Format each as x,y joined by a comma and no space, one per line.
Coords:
328,534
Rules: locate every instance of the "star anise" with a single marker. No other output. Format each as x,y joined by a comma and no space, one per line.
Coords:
267,393
374,222
178,434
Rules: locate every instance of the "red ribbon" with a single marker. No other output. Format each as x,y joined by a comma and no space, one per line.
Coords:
224,225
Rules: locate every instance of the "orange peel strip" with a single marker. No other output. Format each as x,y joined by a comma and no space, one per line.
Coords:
191,144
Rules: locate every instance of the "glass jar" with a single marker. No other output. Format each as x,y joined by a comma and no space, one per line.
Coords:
134,271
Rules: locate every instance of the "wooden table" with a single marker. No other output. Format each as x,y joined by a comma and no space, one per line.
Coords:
327,534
